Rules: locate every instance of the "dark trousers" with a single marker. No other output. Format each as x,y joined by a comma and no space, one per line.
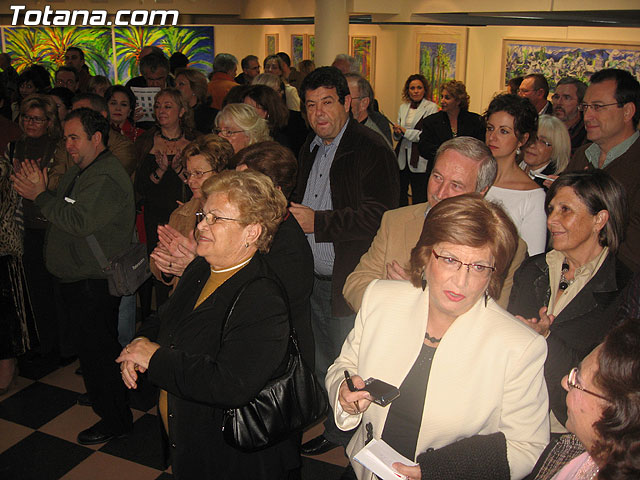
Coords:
418,182
93,314
329,333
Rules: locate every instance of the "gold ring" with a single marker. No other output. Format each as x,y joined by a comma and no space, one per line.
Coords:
126,349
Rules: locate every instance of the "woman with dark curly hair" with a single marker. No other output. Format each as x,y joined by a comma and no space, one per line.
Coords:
122,105
603,401
512,123
413,167
453,120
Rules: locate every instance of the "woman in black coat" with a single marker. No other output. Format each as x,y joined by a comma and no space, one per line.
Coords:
570,295
453,120
202,370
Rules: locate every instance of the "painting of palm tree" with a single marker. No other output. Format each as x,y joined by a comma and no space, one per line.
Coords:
438,65
47,45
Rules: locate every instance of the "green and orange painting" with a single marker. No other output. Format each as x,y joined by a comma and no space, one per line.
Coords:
438,65
106,48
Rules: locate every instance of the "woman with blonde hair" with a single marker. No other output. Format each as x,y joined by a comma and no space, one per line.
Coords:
193,85
241,126
550,153
207,357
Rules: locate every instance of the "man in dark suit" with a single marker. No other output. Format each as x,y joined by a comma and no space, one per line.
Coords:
348,177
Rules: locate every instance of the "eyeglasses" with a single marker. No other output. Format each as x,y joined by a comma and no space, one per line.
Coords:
227,133
527,90
195,173
455,265
572,382
544,142
596,107
36,120
212,218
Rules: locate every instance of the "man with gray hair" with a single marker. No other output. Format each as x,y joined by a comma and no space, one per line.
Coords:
568,95
362,104
345,63
225,67
154,69
250,70
462,165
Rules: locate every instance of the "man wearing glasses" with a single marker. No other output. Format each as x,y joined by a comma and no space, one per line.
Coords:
611,109
536,88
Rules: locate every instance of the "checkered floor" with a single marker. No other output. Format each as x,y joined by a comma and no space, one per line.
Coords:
39,422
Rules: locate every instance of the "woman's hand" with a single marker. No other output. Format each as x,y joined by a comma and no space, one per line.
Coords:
135,357
138,114
177,244
354,403
398,129
29,181
170,264
176,163
541,325
414,473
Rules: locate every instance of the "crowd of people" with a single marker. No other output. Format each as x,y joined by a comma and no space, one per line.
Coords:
485,265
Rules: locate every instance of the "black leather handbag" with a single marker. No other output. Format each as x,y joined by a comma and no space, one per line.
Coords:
286,404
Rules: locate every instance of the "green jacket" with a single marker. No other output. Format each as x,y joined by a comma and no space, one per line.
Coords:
99,203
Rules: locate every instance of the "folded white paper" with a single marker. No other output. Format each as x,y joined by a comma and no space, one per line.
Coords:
378,457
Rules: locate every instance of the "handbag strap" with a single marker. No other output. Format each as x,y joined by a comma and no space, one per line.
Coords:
97,251
292,333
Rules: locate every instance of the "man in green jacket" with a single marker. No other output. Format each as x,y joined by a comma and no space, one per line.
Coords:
94,197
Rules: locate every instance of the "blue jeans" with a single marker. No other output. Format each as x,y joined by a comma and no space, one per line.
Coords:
127,319
329,333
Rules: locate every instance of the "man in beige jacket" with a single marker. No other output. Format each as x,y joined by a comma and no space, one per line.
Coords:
463,165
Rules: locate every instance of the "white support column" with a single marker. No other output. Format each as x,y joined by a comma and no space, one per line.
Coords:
331,30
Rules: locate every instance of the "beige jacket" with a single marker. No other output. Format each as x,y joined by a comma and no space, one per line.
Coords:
398,233
486,376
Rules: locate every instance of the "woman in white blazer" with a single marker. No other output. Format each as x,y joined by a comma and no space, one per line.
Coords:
473,402
413,168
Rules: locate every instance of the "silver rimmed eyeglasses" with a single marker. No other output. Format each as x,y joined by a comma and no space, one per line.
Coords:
596,107
211,218
572,382
455,264
196,173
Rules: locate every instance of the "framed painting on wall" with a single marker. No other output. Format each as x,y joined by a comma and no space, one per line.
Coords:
363,49
312,48
558,59
271,44
441,56
297,49
111,51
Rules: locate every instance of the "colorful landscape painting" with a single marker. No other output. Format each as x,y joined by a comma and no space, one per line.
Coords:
438,64
560,59
312,48
46,46
297,49
364,51
271,43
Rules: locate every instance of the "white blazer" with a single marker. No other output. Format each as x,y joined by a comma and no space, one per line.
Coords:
411,135
486,376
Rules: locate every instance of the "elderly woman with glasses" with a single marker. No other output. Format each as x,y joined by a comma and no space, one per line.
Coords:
571,294
472,398
205,157
549,154
241,126
203,366
604,414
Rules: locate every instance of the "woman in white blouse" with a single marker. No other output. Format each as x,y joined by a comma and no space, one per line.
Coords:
413,168
512,123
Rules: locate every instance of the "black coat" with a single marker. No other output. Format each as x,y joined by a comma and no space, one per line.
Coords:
579,327
204,375
364,184
436,130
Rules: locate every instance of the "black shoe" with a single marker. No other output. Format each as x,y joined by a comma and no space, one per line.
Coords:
93,436
317,446
84,399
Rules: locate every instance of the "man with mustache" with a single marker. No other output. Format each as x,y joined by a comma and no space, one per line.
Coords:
568,95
